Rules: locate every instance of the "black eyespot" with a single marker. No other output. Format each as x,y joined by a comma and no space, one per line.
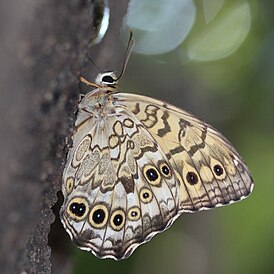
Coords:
165,170
134,213
192,178
152,174
98,216
108,79
118,219
145,195
78,209
218,170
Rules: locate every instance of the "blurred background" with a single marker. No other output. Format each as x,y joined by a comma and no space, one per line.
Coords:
215,59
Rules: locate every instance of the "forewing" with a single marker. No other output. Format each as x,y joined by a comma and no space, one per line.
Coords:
209,170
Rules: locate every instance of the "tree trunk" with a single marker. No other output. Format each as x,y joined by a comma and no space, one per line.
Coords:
44,45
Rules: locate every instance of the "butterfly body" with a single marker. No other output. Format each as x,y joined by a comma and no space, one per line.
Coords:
136,164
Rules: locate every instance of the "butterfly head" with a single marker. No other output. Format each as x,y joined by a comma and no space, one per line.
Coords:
107,80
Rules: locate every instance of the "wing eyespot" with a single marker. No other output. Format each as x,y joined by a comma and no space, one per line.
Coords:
152,175
218,170
98,216
77,208
117,220
134,214
165,170
69,184
192,178
145,195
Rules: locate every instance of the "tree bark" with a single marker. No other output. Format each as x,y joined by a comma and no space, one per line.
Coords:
43,50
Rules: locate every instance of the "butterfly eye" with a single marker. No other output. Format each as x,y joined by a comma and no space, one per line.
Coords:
77,208
98,216
108,79
117,220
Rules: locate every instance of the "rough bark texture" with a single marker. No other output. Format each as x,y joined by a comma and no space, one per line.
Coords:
43,49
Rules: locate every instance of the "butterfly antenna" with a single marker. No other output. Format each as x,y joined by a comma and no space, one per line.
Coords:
94,64
130,46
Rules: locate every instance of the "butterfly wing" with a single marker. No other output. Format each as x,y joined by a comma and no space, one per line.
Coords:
209,170
131,172
118,185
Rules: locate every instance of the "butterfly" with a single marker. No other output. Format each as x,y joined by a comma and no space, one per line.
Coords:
136,164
